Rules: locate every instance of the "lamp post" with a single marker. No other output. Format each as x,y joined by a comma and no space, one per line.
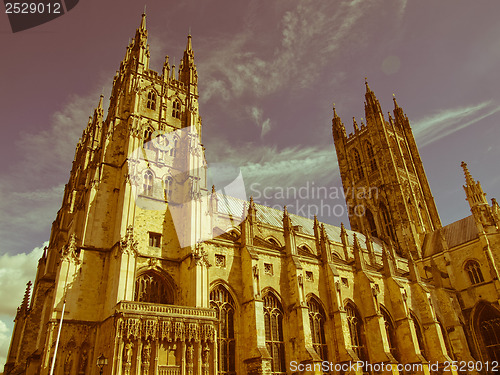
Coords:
101,362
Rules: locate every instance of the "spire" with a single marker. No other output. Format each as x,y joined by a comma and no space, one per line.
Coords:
26,299
359,261
338,127
372,105
473,190
355,124
187,71
143,20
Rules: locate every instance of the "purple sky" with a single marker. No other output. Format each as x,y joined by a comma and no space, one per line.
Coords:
269,72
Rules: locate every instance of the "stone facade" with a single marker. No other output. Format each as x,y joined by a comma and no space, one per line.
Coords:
163,276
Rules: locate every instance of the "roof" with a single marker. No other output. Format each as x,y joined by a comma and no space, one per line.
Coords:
455,234
271,216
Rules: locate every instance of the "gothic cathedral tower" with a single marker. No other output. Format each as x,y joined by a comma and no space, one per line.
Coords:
137,186
384,181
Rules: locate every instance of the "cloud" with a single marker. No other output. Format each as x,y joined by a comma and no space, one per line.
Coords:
5,334
310,34
270,166
448,121
15,272
32,190
256,114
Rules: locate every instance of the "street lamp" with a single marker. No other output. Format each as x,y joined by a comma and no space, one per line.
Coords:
101,362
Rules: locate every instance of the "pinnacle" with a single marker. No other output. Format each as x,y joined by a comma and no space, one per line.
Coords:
468,178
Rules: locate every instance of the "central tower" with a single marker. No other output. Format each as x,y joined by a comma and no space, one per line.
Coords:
384,181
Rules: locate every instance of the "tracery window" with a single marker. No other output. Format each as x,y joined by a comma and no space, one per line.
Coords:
355,330
151,103
317,318
168,188
371,223
275,343
420,335
371,156
176,110
391,333
386,220
474,271
150,287
147,138
148,183
358,165
222,302
489,326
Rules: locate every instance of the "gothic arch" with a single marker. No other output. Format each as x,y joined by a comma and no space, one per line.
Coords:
420,334
221,282
224,304
273,323
371,156
485,324
305,247
473,268
390,329
356,330
154,285
317,321
358,165
274,241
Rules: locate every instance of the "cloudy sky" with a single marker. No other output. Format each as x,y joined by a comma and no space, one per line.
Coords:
269,72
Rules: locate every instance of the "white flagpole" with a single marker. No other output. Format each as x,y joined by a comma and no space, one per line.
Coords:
57,340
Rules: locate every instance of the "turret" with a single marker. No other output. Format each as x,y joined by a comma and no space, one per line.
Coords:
187,70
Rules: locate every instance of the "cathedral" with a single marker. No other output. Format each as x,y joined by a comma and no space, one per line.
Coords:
149,271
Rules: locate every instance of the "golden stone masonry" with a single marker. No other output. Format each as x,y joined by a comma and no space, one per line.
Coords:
162,276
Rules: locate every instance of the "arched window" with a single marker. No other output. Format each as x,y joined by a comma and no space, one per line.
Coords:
275,344
386,220
419,333
147,138
358,165
489,328
173,149
395,152
371,156
176,109
274,242
406,155
474,271
391,333
355,330
151,287
371,223
222,302
446,340
151,103
317,318
148,183
168,188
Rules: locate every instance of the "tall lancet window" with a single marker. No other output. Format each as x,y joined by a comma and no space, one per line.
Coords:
275,343
168,188
317,318
151,103
391,333
148,183
176,109
222,302
357,165
386,220
420,334
371,156
355,330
